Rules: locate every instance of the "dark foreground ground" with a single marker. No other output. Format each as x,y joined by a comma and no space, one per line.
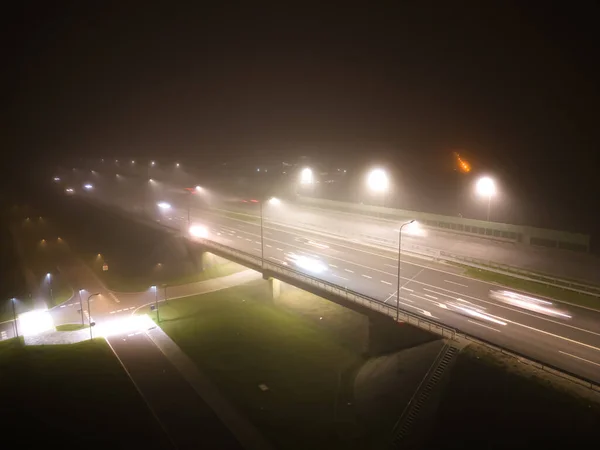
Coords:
495,402
71,396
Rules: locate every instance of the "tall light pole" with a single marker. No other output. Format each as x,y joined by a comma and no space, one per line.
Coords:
399,261
15,317
49,276
486,187
90,313
81,306
156,303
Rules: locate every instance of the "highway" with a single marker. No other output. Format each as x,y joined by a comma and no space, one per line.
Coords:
429,289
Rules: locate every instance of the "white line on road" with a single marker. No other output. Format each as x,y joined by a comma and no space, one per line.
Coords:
454,282
270,246
333,265
276,259
579,357
482,325
367,276
280,249
249,240
348,270
112,312
257,242
62,306
240,237
431,296
389,265
406,289
347,279
386,282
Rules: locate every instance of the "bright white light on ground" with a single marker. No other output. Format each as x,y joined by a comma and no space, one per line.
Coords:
35,322
132,161
377,180
48,275
56,178
88,186
198,231
198,188
176,164
122,325
69,190
274,201
306,176
164,205
486,187
152,163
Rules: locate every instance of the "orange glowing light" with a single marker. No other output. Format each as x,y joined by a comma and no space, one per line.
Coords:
462,164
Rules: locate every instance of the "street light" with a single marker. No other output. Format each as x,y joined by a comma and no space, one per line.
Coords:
15,317
377,180
164,206
486,187
306,176
49,278
399,261
81,306
156,303
90,313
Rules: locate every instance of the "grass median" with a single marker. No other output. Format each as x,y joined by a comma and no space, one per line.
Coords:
242,342
73,395
536,288
494,402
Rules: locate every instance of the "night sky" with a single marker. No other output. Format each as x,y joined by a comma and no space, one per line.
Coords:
512,86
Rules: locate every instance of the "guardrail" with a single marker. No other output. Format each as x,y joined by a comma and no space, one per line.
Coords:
408,317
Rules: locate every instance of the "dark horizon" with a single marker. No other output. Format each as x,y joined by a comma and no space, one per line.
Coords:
511,87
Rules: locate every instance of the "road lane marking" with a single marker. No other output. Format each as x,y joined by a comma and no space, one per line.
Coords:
249,240
276,259
62,306
348,270
454,282
333,265
579,357
347,279
280,249
431,296
367,276
257,242
386,282
270,246
407,289
393,267
426,299
257,249
482,325
112,312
